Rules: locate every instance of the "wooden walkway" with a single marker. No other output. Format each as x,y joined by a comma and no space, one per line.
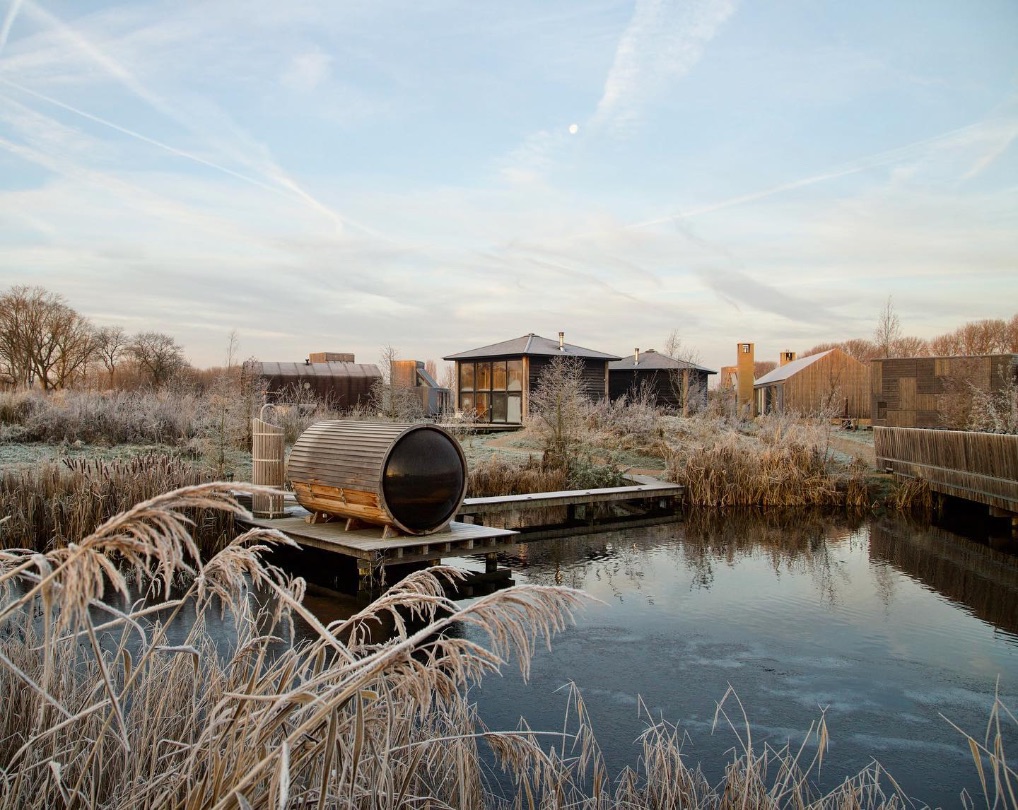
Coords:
980,467
647,502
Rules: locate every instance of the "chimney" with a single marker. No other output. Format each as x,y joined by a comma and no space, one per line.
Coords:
561,341
636,356
785,358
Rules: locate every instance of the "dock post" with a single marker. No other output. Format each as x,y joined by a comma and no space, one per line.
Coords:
365,578
490,562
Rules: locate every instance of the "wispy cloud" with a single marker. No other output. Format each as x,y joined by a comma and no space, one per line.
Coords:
664,40
999,134
9,17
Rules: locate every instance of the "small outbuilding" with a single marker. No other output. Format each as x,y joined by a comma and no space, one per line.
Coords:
673,383
412,375
830,382
494,382
328,376
935,392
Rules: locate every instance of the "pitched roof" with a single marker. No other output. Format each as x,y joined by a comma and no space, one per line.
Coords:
651,360
782,373
531,345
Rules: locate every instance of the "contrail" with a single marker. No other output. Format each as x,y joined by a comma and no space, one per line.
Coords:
863,164
290,192
5,29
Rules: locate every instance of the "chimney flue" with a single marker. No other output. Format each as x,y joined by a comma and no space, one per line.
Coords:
636,356
561,341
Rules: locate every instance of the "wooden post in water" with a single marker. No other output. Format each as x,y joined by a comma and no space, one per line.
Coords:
266,467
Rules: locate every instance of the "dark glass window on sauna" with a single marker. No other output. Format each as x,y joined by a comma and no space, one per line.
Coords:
493,390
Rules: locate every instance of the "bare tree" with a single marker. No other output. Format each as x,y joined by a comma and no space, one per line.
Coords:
158,355
41,338
688,396
888,331
996,410
232,347
558,408
911,346
110,345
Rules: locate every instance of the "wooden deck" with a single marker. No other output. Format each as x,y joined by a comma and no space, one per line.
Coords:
980,467
369,546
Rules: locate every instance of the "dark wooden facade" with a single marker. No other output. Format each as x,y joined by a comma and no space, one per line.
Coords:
931,392
494,382
342,385
662,376
830,383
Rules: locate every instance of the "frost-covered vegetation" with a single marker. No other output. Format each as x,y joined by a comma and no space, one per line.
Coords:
105,710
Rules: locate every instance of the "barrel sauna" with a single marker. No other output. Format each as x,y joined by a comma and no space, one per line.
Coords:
410,477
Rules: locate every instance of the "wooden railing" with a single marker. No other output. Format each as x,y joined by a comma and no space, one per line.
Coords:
980,467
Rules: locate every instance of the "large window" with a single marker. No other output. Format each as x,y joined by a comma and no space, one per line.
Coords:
493,390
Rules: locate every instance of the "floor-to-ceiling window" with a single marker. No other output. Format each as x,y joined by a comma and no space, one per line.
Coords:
492,390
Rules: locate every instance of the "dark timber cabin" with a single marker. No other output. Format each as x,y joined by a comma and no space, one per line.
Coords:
934,392
674,383
494,382
830,382
331,377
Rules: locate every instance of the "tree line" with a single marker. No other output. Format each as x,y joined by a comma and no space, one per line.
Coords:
987,336
45,342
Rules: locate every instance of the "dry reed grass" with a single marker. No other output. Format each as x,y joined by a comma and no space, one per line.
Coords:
57,503
503,475
103,711
786,461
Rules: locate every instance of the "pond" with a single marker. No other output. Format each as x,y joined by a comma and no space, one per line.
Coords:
887,628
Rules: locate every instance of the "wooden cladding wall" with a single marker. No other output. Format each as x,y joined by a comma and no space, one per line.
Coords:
836,383
916,391
595,376
981,467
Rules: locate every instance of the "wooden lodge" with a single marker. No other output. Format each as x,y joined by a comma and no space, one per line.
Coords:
674,384
494,382
330,376
829,382
933,392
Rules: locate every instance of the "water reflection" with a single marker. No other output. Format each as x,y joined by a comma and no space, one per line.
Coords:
887,627
982,579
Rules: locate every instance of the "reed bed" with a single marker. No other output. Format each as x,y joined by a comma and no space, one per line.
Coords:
505,475
104,711
53,504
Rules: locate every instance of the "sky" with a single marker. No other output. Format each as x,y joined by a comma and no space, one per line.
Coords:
342,176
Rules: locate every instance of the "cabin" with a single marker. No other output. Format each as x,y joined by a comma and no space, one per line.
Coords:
675,384
494,382
330,377
411,375
830,382
934,392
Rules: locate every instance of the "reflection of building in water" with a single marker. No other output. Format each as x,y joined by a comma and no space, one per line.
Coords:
968,573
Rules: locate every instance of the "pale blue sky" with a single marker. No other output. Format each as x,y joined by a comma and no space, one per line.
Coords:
336,176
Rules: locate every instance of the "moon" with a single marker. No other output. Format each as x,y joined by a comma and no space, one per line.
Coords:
574,128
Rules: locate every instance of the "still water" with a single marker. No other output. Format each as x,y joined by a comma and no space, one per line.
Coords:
886,627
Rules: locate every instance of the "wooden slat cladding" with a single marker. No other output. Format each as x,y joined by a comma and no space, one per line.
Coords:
594,377
369,471
267,467
981,467
929,391
836,383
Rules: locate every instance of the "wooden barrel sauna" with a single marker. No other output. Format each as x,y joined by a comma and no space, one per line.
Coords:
410,477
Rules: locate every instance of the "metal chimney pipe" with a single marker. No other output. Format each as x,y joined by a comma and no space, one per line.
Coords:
561,341
636,356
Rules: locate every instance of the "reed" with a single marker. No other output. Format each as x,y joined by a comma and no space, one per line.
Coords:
57,503
504,475
103,711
